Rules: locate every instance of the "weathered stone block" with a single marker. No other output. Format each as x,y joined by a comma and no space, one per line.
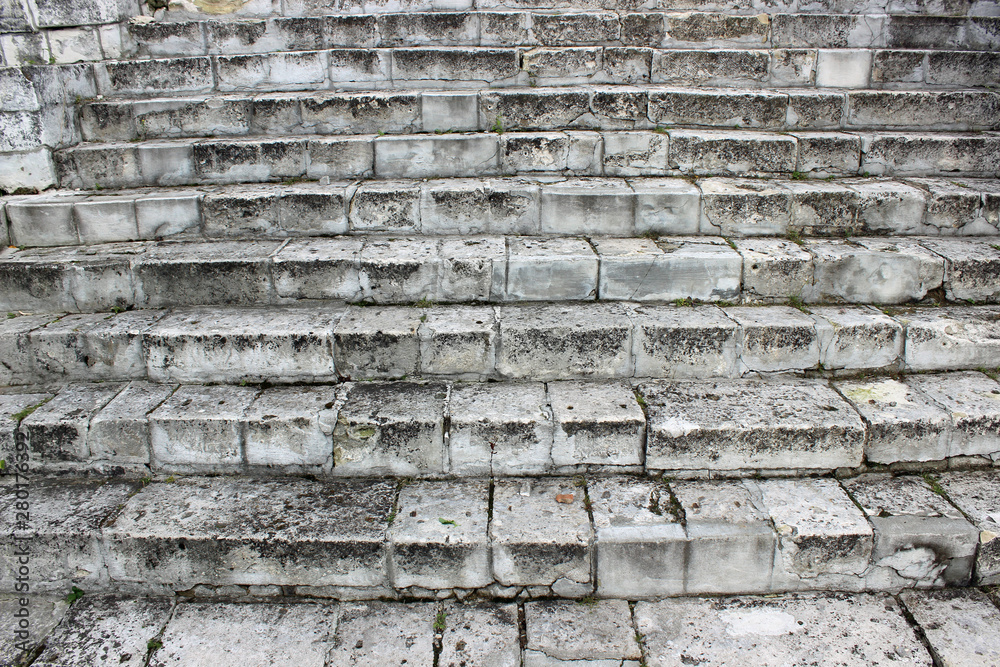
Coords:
635,153
475,206
596,424
289,429
951,338
666,206
120,431
975,494
371,631
313,210
843,69
560,632
439,156
713,152
774,269
377,343
551,109
710,68
973,402
721,108
57,432
684,342
779,338
487,65
137,77
971,268
388,206
870,270
596,206
160,215
340,157
743,207
551,269
273,71
458,341
858,337
960,624
318,269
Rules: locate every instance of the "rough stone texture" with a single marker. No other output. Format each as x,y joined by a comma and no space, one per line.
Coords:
499,429
843,628
560,342
377,343
976,495
743,207
973,402
596,424
540,541
589,206
281,632
12,407
971,267
920,538
857,337
731,542
951,338
459,342
889,206
120,431
666,206
679,342
18,357
436,157
62,538
318,269
480,634
824,541
780,338
106,631
641,541
714,152
377,633
43,615
385,206
961,626
902,424
821,208
750,424
567,633
290,429
438,539
480,206
391,429
57,432
774,269
252,532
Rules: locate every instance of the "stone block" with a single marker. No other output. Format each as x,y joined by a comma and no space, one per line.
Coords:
13,408
391,429
279,114
242,344
857,337
843,69
951,338
138,77
161,215
975,494
399,270
549,109
301,70
475,206
710,67
42,223
960,68
458,341
815,110
499,429
167,163
352,68
539,540
821,208
561,632
377,343
250,160
779,338
679,342
389,206
159,39
961,626
565,66
471,269
973,402
871,270
58,431
199,429
551,269
289,429
824,154
336,157
577,152
241,212
336,539
369,632
106,165
635,153
719,108
120,431
912,110
666,206
314,210
596,424
592,206
889,206
485,633
361,113
489,65
438,539
725,152
774,269
22,130
743,207
953,208
449,112
565,342
436,157
318,269
931,154
794,67
689,429
971,268
31,171
921,540
18,355
667,269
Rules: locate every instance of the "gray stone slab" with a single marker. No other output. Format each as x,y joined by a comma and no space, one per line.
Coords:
479,206
971,267
106,631
641,541
376,633
564,342
588,206
902,424
23,627
394,428
973,402
921,540
635,153
482,634
825,208
281,632
471,269
779,338
385,206
314,210
743,207
499,429
120,431
318,269
399,270
596,424
950,338
708,152
889,206
824,541
200,429
58,431
977,494
678,342
666,206
774,269
961,626
569,632
843,628
436,157
62,537
857,337
234,345
252,532
731,541
19,359
289,429
953,209
541,535
458,341
13,408
551,269
750,424
438,539
377,343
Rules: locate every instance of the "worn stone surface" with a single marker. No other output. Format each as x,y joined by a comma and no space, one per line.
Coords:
394,428
596,424
43,613
539,540
377,633
774,269
951,338
710,425
106,630
499,429
641,541
252,532
666,206
743,207
680,341
289,429
961,626
847,629
438,539
58,431
92,346
13,409
857,337
479,206
971,268
588,206
318,269
120,431
568,632
976,494
716,152
973,402
480,634
377,343
780,338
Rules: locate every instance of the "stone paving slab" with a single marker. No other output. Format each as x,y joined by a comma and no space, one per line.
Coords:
978,496
961,626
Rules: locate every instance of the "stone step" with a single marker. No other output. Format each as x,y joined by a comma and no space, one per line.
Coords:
597,108
636,206
959,626
497,269
653,29
683,428
532,342
569,153
616,537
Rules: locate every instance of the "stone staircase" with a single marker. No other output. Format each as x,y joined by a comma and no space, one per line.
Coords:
517,299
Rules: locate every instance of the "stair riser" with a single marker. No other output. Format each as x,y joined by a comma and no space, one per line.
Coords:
637,206
497,270
678,152
688,429
604,341
601,109
362,543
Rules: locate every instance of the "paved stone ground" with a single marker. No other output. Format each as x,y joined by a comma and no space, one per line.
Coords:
953,627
